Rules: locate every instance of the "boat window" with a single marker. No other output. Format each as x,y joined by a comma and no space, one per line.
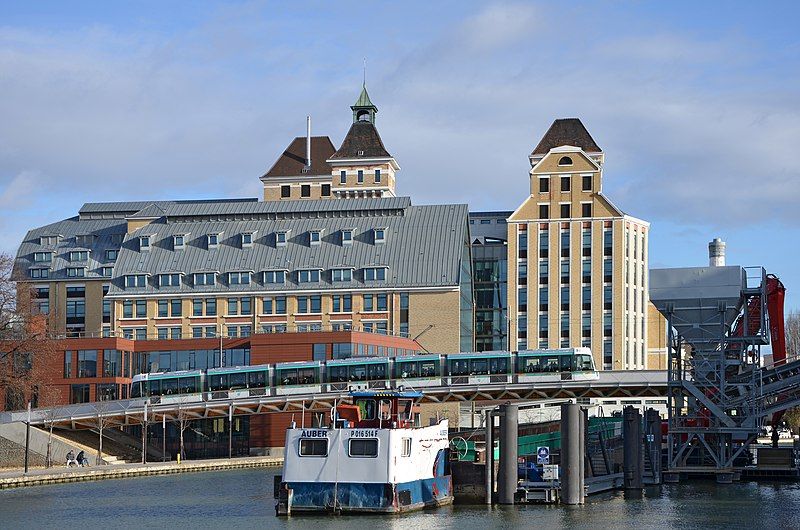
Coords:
257,379
218,382
406,450
313,447
358,373
238,380
404,407
377,372
363,447
386,409
367,407
498,366
566,363
428,368
480,367
169,386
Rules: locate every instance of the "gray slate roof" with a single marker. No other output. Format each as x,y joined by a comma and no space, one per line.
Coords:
424,245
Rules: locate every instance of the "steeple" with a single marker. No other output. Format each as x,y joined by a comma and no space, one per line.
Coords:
364,109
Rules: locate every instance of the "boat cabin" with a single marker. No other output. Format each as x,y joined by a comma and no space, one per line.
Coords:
381,410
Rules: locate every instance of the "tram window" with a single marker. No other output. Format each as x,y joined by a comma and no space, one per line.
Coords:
136,390
257,379
585,363
313,447
530,365
154,388
405,370
551,364
288,377
459,367
377,371
169,386
337,374
358,373
367,408
480,367
404,407
428,368
238,380
218,382
187,385
363,447
498,366
306,376
566,363
386,410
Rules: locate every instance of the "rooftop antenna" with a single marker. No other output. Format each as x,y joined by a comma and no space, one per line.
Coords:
365,72
308,141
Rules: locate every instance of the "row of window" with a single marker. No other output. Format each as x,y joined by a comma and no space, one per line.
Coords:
74,256
566,183
565,210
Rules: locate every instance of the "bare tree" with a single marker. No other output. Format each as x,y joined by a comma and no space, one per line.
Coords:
792,327
102,422
184,421
49,396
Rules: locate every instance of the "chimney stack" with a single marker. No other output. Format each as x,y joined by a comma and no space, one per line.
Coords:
716,253
308,141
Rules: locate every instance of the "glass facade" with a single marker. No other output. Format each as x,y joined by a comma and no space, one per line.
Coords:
490,276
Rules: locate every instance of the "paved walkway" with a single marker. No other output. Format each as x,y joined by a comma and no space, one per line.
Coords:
60,474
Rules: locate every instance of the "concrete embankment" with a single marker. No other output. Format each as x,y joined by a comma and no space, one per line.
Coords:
60,475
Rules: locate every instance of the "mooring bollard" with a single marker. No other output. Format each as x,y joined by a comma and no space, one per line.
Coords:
489,457
572,451
653,431
507,474
632,448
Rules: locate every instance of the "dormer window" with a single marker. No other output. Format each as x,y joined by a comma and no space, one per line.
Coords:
314,237
212,240
347,236
76,272
247,239
111,254
178,242
49,240
79,255
39,274
360,152
144,242
85,240
42,257
308,276
374,274
341,275
106,272
238,278
565,161
204,278
281,237
379,235
136,280
172,279
274,276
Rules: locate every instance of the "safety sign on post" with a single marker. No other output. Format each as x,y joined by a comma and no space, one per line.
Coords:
542,455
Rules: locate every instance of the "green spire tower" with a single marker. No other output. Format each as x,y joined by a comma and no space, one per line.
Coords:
364,110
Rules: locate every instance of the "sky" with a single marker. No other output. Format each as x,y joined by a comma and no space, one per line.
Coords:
695,104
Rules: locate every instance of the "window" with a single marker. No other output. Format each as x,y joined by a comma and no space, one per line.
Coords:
607,300
325,190
368,302
280,239
565,243
565,161
49,240
274,276
342,275
382,303
106,272
67,364
343,177
178,242
564,271
144,243
607,242
205,278
233,306
247,239
76,272
313,447
39,273
607,271
379,235
314,237
87,363
564,325
343,303
544,272
175,307
544,211
141,308
212,240
543,326
586,242
347,237
586,298
286,192
316,304
163,308
211,307
586,209
111,254
197,307
522,300
246,306
565,298
360,176
305,190
79,394
565,211
405,449
363,448
79,255
169,280
565,183
308,276
127,309
586,183
377,176
543,299
375,274
544,184
586,271
136,280
238,278
274,305
42,257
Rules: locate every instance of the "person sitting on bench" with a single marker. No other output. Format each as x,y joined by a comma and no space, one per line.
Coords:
71,459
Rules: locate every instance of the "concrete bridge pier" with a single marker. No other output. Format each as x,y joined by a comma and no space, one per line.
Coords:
572,454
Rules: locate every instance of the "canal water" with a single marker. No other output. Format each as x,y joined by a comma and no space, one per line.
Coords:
243,499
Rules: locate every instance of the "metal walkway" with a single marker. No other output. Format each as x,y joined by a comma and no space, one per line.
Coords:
622,384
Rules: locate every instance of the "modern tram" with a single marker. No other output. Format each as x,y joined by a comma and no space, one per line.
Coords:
366,373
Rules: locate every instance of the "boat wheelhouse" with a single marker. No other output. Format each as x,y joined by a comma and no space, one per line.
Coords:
374,457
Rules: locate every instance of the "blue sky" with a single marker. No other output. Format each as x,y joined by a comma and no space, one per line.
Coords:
696,105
